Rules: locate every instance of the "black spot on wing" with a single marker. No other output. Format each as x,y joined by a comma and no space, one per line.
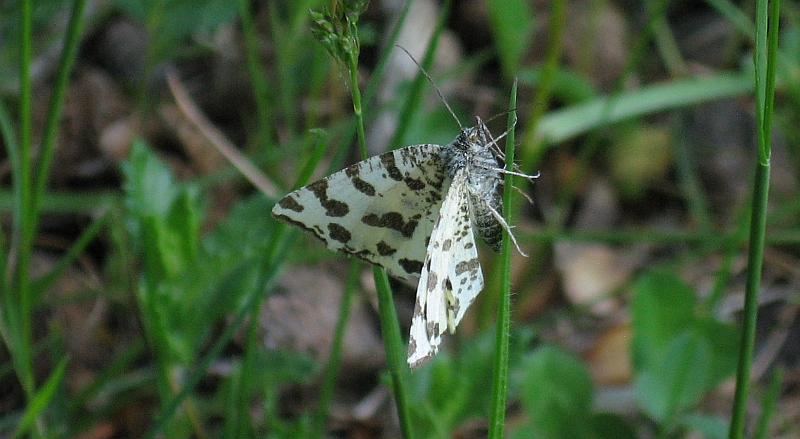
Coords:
389,163
339,233
433,329
411,266
385,249
414,183
412,346
432,280
394,221
333,208
417,309
289,203
465,266
362,186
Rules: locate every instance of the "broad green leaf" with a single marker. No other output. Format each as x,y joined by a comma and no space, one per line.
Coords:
512,23
709,427
662,307
610,426
556,392
676,382
723,340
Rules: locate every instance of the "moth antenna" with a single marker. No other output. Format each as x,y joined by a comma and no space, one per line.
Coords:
494,141
439,92
492,144
503,114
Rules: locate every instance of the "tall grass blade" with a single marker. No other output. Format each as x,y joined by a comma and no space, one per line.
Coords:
767,14
500,374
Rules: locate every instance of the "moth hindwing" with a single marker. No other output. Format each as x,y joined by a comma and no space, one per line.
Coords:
451,275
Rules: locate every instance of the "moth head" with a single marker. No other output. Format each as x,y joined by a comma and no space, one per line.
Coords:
473,139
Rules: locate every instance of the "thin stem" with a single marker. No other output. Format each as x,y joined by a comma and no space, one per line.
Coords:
332,367
768,406
25,224
65,64
415,94
395,354
764,58
500,376
257,81
390,327
356,93
534,143
755,257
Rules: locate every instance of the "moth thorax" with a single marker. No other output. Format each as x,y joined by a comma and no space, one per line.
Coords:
470,153
469,150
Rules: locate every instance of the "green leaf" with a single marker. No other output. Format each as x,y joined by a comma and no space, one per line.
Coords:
244,234
163,217
561,125
709,427
172,21
512,23
556,392
723,340
148,187
610,426
678,381
662,307
42,398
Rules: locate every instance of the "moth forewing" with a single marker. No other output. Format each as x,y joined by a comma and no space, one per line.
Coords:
381,209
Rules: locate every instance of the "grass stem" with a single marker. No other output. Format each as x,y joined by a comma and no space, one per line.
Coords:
500,374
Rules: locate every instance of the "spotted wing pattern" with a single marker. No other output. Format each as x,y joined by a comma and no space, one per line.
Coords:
451,274
381,210
413,212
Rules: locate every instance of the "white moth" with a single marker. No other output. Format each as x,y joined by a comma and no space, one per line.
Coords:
413,212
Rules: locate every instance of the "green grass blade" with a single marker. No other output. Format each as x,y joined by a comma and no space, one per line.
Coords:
768,405
412,104
546,82
767,14
559,126
332,366
12,149
258,82
512,22
734,15
395,354
42,398
19,314
48,280
390,327
53,118
500,374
